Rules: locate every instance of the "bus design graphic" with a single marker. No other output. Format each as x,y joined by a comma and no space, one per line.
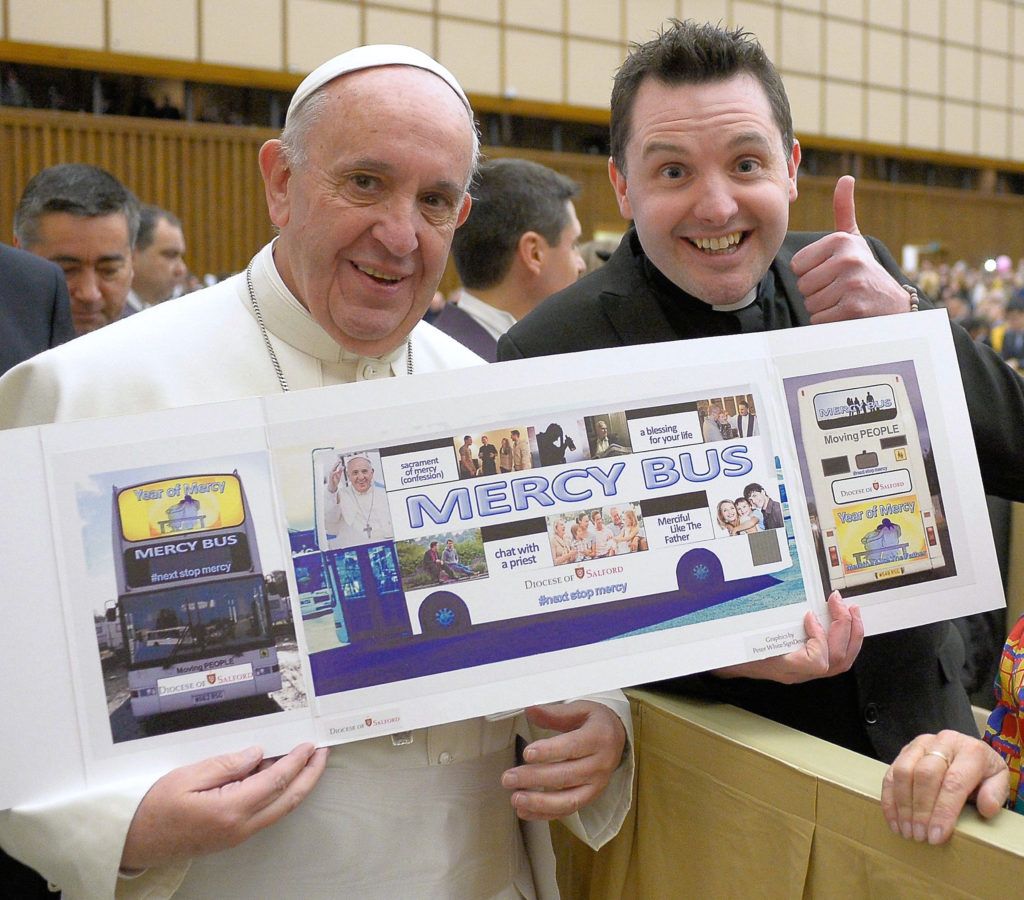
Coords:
648,522
868,479
698,570
192,599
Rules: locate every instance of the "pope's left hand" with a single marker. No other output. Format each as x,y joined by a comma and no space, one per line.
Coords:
564,773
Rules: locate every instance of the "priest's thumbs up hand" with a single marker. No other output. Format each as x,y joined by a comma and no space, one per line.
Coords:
839,275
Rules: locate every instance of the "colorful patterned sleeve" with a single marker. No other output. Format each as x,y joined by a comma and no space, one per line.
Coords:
1005,729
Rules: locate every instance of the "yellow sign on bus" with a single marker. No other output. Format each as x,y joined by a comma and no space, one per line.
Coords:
180,505
880,533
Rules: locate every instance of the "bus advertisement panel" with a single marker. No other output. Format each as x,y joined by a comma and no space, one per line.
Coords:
657,511
874,513
192,599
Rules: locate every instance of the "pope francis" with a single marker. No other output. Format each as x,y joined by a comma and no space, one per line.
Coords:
366,185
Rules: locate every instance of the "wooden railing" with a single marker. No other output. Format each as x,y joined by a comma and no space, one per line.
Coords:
728,804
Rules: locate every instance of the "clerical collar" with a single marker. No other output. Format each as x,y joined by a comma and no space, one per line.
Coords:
764,309
738,305
289,321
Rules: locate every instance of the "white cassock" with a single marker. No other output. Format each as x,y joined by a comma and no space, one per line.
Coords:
427,819
355,518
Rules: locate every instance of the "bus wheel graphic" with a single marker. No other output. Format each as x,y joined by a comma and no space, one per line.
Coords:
699,573
444,613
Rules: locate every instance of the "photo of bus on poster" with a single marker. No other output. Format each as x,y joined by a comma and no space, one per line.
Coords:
874,497
195,626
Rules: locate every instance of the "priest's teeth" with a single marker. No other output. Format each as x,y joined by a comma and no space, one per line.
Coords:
374,273
719,243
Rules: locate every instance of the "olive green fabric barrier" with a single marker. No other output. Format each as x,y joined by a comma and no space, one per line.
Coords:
730,805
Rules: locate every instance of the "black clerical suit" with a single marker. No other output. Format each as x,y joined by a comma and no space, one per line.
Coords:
903,683
35,312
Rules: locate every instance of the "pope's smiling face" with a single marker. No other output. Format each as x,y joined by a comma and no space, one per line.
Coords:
708,184
360,474
366,218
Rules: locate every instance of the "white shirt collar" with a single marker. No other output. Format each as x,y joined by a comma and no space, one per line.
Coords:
739,304
289,321
135,301
493,320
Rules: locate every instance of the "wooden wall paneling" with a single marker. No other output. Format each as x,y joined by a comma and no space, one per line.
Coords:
159,171
181,196
243,154
218,193
130,161
230,194
181,201
253,208
204,191
240,184
969,225
209,176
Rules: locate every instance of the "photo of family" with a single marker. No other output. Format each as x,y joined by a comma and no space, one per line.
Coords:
753,511
594,534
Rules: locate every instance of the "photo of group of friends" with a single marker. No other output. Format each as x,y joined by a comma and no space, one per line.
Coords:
501,450
513,449
753,511
725,418
442,559
594,534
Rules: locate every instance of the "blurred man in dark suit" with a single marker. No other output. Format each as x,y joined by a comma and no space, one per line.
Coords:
35,312
86,221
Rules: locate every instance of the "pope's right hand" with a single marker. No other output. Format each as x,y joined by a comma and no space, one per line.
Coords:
217,804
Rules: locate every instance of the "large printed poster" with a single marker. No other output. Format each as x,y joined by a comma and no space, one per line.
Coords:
368,559
208,636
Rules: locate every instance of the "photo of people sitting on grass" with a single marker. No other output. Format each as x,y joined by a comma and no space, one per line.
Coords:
441,559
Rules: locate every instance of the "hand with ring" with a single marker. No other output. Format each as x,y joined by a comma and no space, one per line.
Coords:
934,776
940,755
